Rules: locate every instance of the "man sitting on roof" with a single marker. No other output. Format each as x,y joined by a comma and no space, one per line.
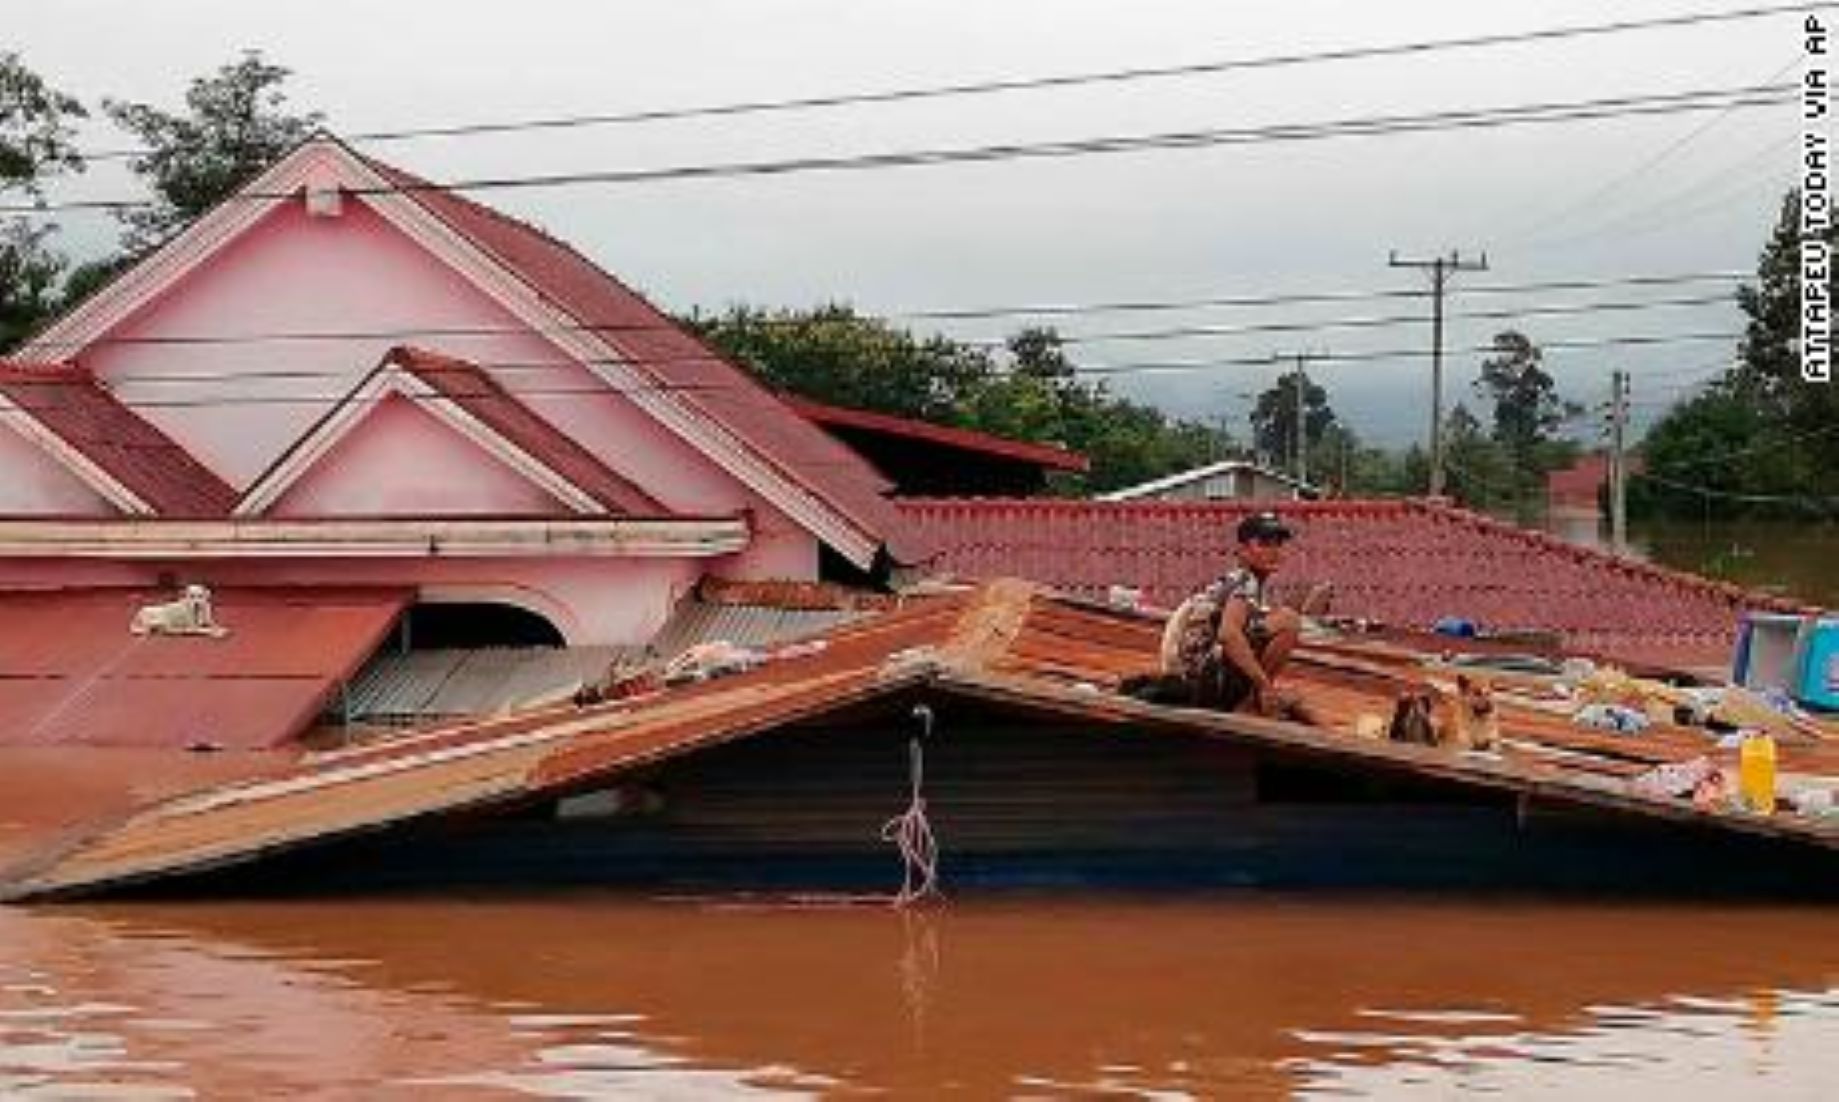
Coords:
1225,646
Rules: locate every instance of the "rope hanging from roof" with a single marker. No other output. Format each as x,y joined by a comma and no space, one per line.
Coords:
910,831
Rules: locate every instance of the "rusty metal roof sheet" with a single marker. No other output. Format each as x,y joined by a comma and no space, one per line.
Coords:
71,672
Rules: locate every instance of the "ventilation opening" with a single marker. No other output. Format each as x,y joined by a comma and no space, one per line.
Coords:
474,626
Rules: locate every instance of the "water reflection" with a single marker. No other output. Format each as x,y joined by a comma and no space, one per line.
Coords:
611,998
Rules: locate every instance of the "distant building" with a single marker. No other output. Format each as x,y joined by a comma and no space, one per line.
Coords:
1576,492
1231,480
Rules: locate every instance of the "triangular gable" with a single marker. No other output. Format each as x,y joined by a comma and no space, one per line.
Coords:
131,464
712,405
37,485
474,406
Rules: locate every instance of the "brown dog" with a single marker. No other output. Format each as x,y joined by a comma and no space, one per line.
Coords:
1425,715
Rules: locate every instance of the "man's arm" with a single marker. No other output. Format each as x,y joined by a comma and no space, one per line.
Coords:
1237,647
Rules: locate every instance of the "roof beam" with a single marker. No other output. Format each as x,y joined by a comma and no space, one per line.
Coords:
375,538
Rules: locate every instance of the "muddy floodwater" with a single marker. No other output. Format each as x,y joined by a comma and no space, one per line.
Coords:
612,997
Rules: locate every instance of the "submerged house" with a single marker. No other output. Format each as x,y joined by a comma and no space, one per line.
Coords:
343,376
402,437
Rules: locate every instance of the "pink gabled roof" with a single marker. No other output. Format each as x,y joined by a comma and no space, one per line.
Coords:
1040,455
1407,563
71,404
480,395
657,345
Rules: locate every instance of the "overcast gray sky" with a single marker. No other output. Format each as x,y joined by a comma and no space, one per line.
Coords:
1163,225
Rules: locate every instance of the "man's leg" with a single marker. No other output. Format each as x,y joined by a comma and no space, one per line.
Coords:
1285,627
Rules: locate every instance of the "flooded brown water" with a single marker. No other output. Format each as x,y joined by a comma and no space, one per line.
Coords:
1793,558
611,997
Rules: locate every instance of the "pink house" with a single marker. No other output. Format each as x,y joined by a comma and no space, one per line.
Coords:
346,377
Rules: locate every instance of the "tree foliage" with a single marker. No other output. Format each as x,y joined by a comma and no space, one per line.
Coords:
1274,419
236,124
1029,391
1527,410
1760,440
36,135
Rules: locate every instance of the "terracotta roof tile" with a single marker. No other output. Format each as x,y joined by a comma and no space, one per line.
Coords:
668,353
1404,562
70,403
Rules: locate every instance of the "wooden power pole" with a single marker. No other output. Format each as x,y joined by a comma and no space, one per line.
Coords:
1440,269
1618,462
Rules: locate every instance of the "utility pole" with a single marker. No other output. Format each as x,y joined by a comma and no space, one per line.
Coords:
1618,462
1440,269
1302,431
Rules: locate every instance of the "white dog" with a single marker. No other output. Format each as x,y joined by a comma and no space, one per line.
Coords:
189,615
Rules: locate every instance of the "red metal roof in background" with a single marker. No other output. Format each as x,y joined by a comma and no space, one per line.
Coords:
660,347
75,407
72,673
1040,455
1407,563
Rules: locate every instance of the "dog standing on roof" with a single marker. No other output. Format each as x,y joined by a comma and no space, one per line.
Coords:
191,614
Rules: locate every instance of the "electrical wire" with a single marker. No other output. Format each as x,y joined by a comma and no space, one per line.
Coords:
1052,81
403,333
1369,126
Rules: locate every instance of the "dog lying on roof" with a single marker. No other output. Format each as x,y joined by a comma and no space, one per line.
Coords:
191,614
1429,716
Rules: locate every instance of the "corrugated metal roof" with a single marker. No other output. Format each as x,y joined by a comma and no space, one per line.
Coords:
71,672
436,684
443,684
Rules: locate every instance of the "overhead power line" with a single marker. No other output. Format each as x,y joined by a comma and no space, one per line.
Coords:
1367,126
1007,85
409,334
266,374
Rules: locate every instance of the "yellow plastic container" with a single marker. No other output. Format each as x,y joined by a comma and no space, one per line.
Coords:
1756,772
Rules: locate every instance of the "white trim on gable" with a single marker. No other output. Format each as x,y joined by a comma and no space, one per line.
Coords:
73,460
392,379
324,163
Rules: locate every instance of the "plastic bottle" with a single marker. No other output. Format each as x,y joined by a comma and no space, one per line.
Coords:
1756,768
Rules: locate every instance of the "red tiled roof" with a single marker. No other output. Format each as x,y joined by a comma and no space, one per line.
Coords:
664,350
1040,455
71,673
1407,563
480,395
72,405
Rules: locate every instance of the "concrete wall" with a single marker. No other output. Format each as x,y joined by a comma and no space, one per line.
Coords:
33,484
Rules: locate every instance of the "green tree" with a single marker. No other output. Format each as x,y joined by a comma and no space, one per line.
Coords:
1526,407
1032,392
1274,418
1769,366
833,354
1480,471
36,134
236,124
1760,440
